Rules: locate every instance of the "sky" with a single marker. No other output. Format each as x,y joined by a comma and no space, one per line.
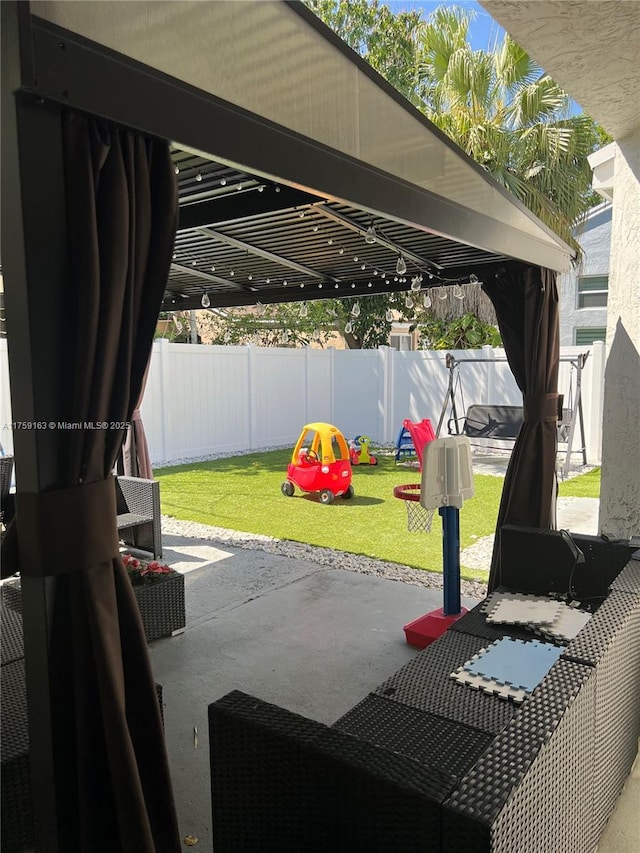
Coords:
483,31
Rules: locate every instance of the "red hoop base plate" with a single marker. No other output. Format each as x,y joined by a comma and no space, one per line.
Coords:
425,629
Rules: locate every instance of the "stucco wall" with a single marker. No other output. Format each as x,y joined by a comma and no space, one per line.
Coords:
594,237
620,493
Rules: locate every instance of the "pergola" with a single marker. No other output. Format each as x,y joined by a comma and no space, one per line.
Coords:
300,174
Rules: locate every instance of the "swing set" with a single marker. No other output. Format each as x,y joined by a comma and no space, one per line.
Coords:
483,423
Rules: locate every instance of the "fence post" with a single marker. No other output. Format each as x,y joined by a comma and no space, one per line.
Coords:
162,361
487,352
383,355
596,400
251,369
306,385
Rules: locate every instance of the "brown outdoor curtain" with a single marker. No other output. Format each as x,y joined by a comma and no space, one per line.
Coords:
112,780
136,461
526,304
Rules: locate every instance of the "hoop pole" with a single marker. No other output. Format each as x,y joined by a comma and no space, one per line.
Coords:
450,559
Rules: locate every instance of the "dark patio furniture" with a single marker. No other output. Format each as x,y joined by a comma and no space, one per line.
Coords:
16,805
162,607
543,775
138,505
161,604
6,503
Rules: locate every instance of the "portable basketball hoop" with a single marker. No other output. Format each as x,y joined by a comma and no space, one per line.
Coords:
447,481
419,519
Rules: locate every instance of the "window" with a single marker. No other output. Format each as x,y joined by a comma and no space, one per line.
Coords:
400,342
592,291
589,335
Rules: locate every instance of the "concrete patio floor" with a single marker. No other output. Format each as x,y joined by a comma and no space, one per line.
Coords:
312,639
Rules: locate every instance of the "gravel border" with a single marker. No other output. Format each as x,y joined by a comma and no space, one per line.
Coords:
322,556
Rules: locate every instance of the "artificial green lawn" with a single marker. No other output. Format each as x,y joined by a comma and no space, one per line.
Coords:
585,486
243,493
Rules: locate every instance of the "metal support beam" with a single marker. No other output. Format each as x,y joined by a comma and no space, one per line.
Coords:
34,269
229,208
263,253
214,279
341,219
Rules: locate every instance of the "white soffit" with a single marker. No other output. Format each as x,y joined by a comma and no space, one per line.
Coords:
589,47
265,58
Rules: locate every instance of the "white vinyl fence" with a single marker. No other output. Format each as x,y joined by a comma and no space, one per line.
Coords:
202,400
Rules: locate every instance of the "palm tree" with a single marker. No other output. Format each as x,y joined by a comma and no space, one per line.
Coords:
511,117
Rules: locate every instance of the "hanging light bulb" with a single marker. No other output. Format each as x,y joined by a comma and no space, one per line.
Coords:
259,309
389,316
223,182
408,302
316,335
198,177
442,293
473,278
355,311
458,292
370,235
177,170
401,266
348,327
341,251
304,310
205,301
426,300
416,282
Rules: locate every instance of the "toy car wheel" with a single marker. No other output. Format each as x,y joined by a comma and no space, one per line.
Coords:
348,494
326,496
373,460
287,489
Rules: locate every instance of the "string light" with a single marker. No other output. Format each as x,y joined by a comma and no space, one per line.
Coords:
426,301
205,301
401,266
389,316
416,282
370,235
304,310
408,302
442,293
458,292
473,278
259,308
348,327
198,177
355,311
223,182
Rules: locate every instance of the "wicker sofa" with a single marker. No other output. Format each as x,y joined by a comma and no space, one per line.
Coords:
423,763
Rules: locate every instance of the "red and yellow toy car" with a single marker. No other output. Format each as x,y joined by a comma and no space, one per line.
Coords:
320,463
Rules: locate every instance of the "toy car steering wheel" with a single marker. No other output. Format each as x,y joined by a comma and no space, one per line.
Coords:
312,456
